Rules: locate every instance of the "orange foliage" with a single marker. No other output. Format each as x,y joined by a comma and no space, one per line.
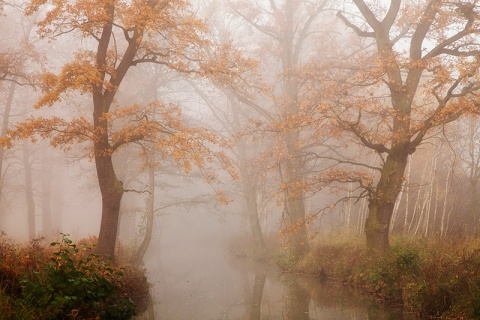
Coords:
160,32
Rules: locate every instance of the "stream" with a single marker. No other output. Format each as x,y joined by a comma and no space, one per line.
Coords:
195,278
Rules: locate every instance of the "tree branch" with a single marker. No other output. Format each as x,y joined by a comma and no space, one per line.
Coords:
356,29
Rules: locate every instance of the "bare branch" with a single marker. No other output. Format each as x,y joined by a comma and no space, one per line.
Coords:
356,29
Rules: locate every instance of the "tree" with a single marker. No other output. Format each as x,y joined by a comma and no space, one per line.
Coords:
286,31
14,59
468,151
418,72
117,36
245,155
27,164
46,181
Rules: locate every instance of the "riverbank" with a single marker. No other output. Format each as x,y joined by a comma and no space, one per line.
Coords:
433,278
63,280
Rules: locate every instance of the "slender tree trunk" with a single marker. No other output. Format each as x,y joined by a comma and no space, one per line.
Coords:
429,197
59,199
6,118
443,221
150,209
417,200
348,207
395,208
29,192
149,217
363,209
47,226
473,203
422,215
407,197
381,205
9,103
250,188
260,249
435,208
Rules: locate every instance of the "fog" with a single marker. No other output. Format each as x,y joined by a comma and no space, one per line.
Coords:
193,139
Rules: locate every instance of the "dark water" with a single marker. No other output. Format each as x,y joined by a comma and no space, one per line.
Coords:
207,283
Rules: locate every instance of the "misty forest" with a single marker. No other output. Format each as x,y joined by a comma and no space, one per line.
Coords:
240,159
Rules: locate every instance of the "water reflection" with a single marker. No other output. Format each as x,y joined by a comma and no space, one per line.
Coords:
296,301
256,302
194,278
246,293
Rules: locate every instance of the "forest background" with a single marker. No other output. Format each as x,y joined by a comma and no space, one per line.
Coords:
299,117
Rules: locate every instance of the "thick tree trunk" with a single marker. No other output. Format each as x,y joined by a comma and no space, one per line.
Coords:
382,203
377,225
110,187
298,236
112,191
294,194
294,165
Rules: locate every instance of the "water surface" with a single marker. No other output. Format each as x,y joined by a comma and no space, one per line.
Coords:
195,278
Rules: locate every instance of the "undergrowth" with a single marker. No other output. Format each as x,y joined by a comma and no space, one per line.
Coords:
434,278
66,281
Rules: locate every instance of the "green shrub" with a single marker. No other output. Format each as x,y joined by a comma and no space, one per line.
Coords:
78,284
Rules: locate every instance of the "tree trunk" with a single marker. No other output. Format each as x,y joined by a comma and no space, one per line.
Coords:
29,192
47,225
298,239
259,247
383,201
110,187
348,208
443,223
6,118
294,194
407,190
250,187
149,216
59,199
417,200
294,164
395,208
112,191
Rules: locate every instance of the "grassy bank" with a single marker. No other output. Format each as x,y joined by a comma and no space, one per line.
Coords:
63,280
432,278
